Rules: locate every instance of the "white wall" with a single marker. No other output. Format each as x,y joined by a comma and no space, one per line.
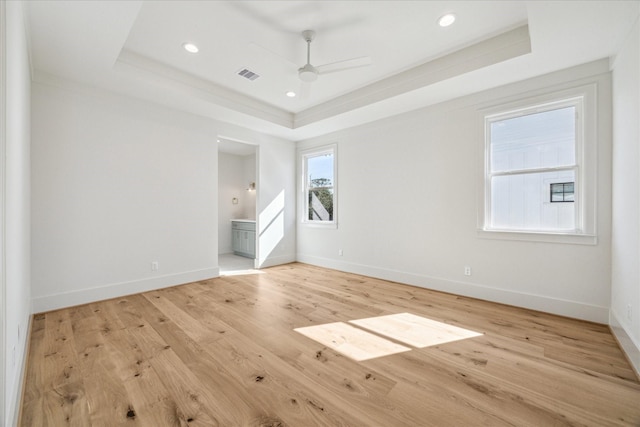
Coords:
119,183
276,201
407,189
233,181
249,176
16,307
625,252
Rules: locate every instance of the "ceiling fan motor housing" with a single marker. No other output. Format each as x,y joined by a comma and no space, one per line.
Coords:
308,73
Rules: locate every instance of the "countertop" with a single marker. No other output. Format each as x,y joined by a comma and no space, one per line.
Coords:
243,220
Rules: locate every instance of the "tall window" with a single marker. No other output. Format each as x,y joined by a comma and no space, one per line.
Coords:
532,168
319,185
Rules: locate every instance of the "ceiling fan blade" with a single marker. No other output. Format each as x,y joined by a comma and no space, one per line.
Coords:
273,54
363,61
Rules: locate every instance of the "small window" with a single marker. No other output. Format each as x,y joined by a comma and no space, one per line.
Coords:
319,186
561,192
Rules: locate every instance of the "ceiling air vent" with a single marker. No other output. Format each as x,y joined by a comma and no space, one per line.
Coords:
248,74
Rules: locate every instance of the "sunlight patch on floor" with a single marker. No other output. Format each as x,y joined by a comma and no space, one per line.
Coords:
359,344
240,272
351,341
414,330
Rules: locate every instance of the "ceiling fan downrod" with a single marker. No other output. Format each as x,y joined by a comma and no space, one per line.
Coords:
308,73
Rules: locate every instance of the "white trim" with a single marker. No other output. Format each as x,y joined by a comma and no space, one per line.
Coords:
152,70
573,309
16,409
502,47
277,260
567,238
313,152
586,161
115,290
629,346
3,234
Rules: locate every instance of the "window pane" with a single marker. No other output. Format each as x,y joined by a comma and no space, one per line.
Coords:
557,197
521,202
568,187
569,197
320,170
321,204
320,186
538,140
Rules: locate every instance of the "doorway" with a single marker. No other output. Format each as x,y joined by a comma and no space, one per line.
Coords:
237,200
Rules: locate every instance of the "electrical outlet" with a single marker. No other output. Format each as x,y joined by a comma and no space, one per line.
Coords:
340,252
629,312
154,266
467,270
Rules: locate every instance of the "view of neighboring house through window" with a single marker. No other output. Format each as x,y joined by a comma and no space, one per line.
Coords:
532,178
319,185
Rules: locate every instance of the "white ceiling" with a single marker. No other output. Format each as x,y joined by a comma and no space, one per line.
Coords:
135,47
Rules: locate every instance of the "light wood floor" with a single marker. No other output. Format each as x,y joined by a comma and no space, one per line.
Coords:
223,352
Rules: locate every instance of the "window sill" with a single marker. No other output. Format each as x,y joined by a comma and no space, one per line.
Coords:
319,224
548,237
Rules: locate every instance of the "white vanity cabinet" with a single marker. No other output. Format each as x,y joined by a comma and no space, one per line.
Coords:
244,237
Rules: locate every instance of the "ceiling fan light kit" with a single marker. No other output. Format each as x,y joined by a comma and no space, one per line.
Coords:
308,73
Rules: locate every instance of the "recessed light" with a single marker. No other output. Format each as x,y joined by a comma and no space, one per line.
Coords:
446,20
291,94
190,47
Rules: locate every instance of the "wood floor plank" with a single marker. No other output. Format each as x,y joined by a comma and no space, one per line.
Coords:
187,359
223,352
33,396
108,401
255,371
65,406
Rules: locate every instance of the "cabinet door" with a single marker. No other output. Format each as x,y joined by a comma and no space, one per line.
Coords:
243,242
236,241
251,240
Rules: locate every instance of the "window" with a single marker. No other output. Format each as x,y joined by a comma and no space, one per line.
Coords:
562,192
319,186
534,173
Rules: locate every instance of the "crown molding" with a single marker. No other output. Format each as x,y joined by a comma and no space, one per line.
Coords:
502,47
505,46
203,89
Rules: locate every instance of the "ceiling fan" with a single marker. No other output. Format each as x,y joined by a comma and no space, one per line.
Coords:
309,73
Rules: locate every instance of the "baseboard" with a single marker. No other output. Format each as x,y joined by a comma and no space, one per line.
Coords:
627,343
542,303
16,408
278,260
84,296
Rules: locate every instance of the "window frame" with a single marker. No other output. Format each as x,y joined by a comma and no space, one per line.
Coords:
304,184
584,99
